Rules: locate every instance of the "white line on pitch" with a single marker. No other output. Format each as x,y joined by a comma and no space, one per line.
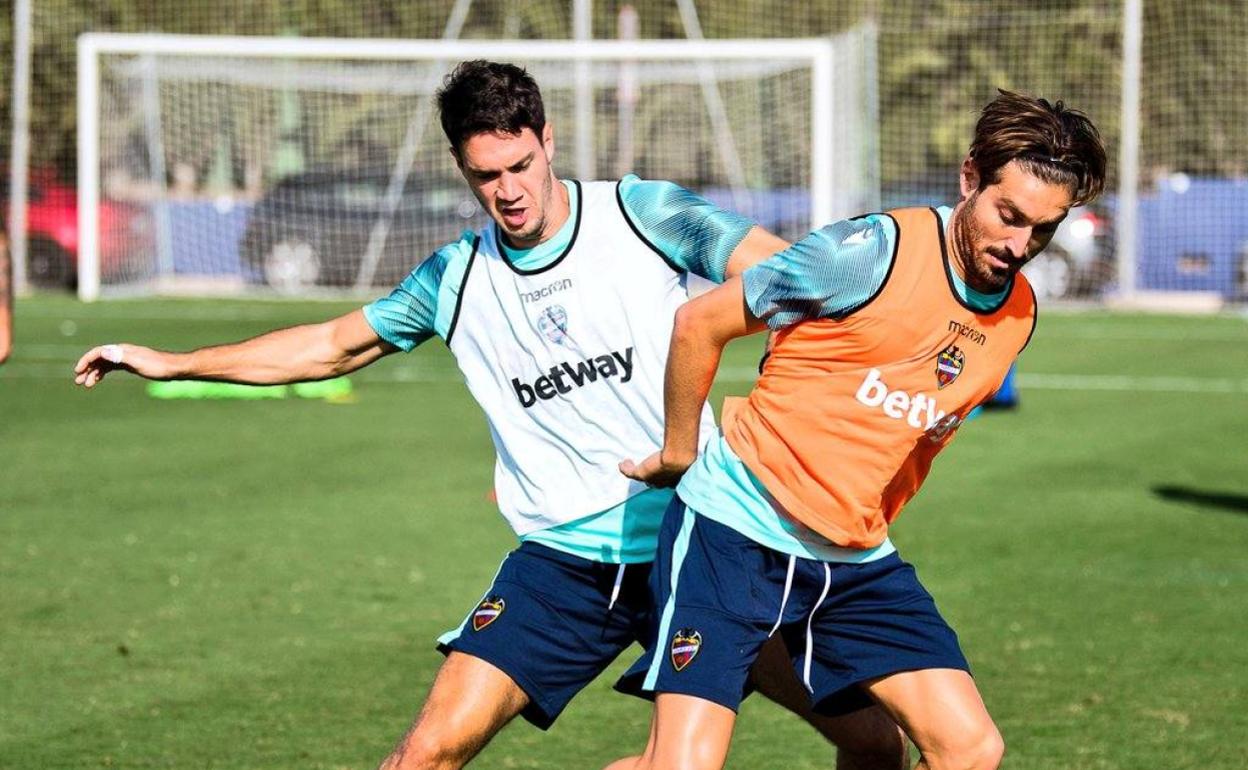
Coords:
206,311
21,370
1132,384
1168,334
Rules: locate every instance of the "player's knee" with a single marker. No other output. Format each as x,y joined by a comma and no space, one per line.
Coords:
432,746
978,749
423,754
986,752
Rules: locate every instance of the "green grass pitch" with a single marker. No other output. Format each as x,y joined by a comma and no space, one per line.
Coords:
232,584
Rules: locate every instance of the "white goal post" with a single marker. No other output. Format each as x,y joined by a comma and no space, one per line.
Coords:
187,144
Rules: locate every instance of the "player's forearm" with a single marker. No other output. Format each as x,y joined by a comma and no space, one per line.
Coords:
296,354
703,327
692,362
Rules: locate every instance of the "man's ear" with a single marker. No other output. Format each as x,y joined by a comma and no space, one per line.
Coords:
548,142
968,178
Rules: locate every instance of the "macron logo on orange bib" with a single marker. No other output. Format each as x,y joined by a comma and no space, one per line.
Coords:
919,410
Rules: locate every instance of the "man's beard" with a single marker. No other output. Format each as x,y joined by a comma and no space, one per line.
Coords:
534,230
966,234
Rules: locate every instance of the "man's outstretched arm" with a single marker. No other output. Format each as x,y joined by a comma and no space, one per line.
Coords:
703,327
296,354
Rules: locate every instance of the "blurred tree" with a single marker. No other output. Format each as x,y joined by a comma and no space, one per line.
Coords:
939,60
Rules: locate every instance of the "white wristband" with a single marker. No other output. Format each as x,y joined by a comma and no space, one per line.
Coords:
111,353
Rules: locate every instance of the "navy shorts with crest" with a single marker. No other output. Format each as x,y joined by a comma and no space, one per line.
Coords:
549,622
720,596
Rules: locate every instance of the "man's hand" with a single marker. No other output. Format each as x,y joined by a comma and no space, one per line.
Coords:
657,470
145,362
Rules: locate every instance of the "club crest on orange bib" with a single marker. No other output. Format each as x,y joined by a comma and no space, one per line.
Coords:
685,646
487,612
948,365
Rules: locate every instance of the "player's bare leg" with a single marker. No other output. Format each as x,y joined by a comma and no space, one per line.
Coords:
471,700
635,763
941,711
867,739
688,733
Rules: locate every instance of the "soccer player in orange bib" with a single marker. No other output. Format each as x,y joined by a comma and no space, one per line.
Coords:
890,328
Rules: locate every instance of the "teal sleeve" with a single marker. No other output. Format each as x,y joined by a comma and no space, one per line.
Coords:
828,274
692,234
409,315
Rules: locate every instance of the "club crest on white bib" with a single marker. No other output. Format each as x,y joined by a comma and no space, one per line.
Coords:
553,323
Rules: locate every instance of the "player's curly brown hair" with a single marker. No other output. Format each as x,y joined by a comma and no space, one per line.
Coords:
481,96
1055,143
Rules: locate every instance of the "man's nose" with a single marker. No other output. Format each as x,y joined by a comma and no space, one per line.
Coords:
508,188
1017,244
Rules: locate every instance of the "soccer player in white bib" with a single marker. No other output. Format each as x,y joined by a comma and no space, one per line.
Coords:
559,315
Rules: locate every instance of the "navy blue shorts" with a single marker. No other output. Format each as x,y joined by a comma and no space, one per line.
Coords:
722,595
548,623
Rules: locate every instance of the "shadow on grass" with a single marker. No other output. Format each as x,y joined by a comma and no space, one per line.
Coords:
1227,501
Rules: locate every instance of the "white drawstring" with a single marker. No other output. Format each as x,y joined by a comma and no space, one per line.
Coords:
788,585
810,642
615,589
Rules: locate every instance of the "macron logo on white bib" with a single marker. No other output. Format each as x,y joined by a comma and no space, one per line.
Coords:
919,410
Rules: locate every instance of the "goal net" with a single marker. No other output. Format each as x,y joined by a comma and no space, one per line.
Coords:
313,167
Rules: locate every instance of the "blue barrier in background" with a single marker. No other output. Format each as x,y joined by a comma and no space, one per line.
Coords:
1193,236
205,236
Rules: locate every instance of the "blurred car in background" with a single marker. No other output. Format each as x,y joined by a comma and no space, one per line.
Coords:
313,228
1076,262
52,230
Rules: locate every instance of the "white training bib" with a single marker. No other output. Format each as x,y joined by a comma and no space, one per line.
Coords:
568,363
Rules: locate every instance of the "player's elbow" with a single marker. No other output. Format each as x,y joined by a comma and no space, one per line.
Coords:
711,320
689,326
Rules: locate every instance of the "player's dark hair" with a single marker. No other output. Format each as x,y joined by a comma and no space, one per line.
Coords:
1056,144
488,97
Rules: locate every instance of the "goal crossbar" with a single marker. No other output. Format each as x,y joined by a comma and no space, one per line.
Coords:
816,53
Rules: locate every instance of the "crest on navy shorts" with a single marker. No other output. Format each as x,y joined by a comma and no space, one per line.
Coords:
685,646
487,612
553,322
949,365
